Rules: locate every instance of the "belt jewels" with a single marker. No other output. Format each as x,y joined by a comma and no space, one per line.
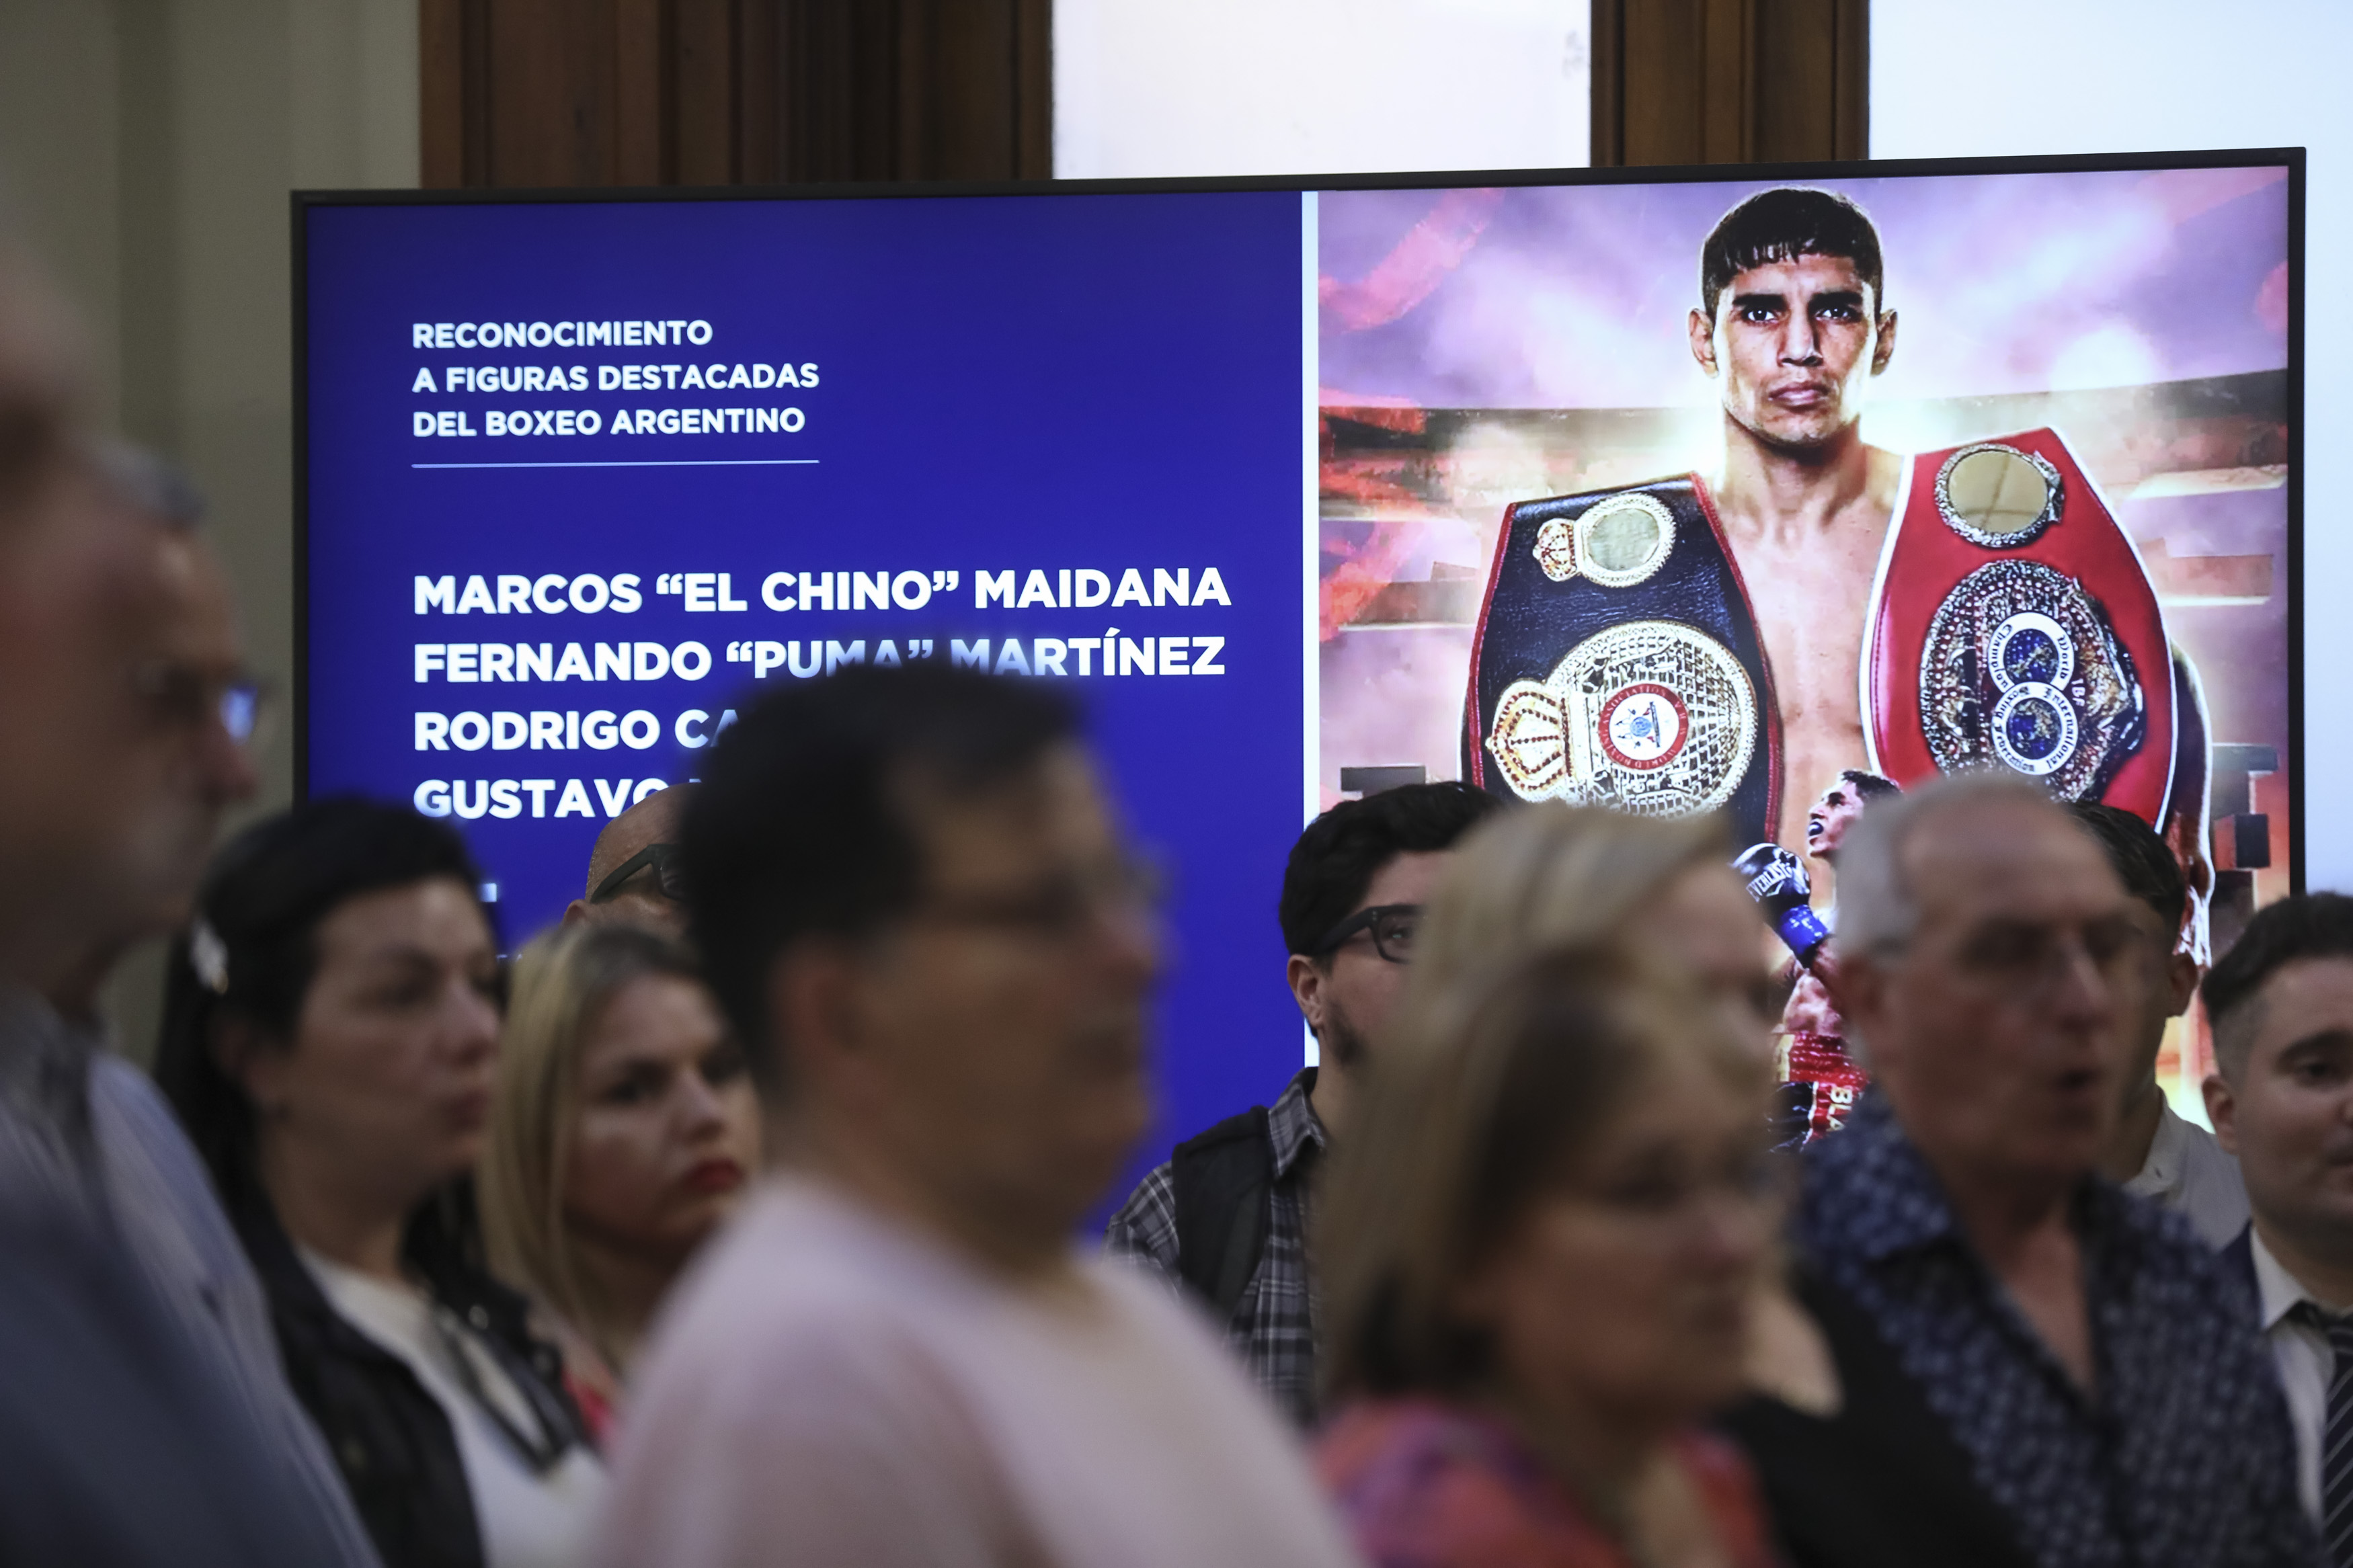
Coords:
2023,669
1617,661
2013,625
1650,717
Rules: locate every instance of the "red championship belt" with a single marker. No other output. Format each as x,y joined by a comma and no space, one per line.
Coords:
2013,625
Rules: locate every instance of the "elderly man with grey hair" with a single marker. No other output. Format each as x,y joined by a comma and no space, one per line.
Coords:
2051,1371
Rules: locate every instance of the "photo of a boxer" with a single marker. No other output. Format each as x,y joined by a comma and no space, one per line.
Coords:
1839,807
1634,495
1792,326
1820,1082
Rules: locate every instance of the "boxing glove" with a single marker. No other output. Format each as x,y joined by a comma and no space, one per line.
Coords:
1777,879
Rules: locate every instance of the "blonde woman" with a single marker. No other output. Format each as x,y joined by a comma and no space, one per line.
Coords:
622,1130
1552,876
1541,1249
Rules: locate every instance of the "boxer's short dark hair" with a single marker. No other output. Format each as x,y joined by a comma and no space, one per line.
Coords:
1868,785
1782,224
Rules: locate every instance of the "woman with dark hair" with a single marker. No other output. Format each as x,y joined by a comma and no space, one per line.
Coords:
330,1025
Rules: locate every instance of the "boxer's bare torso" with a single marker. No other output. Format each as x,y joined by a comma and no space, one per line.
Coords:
1807,544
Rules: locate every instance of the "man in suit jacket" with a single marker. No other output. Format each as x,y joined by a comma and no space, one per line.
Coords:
2281,1002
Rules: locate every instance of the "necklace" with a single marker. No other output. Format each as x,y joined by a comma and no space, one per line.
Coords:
550,1434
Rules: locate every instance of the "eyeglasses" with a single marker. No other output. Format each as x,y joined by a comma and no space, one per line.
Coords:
1061,907
184,696
2027,959
668,874
147,481
1674,1206
1393,928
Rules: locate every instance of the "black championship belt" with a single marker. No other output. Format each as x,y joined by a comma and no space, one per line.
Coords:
1617,662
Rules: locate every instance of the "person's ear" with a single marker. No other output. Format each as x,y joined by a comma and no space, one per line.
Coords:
575,913
814,1006
246,1059
1702,341
2181,977
2222,1110
1309,987
1885,348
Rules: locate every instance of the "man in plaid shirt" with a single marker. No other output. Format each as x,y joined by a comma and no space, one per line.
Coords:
1226,1217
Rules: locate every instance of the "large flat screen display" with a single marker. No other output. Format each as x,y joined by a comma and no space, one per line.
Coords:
1674,493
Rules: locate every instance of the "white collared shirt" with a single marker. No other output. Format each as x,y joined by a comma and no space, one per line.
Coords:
2306,1364
2188,1172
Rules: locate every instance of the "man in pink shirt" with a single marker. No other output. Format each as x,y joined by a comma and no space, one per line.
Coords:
916,906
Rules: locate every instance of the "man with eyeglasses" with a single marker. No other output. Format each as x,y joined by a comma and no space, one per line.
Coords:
129,723
916,903
1226,1216
634,875
171,745
2035,1365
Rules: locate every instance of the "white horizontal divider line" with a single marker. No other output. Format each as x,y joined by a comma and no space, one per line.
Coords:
644,463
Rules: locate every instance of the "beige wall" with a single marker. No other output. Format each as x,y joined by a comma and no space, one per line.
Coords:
146,150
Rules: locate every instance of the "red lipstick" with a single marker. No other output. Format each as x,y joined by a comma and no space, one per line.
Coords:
717,1175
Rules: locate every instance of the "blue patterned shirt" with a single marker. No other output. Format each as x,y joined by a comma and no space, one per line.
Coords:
2182,1460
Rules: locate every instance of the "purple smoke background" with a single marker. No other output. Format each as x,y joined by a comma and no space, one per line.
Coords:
1576,298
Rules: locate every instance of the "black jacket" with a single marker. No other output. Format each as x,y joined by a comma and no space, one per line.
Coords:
2239,1263
388,1434
1883,1481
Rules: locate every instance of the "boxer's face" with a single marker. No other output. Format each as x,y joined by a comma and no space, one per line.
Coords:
1792,345
1834,811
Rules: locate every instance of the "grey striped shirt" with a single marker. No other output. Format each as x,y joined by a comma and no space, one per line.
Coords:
81,1127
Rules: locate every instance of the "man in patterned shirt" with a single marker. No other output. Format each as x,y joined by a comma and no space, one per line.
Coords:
1227,1216
2084,1359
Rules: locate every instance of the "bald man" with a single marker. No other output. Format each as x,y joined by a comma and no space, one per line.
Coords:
630,874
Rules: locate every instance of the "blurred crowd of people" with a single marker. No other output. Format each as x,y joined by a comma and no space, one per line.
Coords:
732,1221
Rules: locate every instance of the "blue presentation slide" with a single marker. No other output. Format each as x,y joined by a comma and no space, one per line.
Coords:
583,480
